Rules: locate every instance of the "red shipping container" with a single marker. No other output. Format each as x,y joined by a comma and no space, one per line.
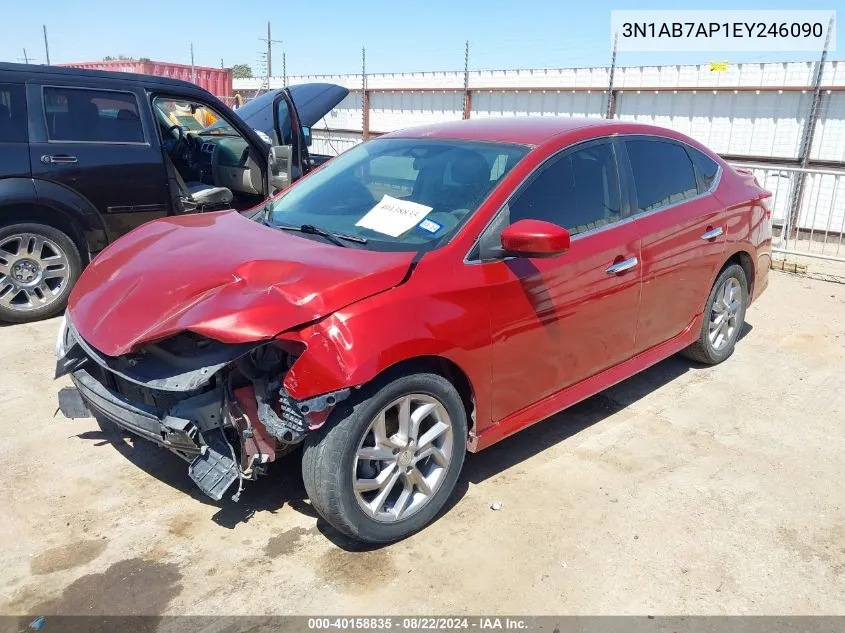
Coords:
218,81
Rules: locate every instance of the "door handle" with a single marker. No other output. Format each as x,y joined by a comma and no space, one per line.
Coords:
622,266
58,159
712,233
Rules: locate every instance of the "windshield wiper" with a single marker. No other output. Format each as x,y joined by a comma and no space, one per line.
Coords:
331,236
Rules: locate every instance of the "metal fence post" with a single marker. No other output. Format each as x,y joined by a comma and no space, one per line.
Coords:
809,132
365,97
467,94
611,95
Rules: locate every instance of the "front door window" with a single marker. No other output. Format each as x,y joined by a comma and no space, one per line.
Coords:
210,162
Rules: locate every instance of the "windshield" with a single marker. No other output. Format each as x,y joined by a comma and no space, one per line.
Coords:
400,194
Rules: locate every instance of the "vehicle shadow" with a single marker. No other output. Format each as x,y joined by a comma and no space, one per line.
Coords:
283,482
559,427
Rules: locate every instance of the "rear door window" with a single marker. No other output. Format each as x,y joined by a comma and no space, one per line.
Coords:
663,173
93,116
13,123
578,191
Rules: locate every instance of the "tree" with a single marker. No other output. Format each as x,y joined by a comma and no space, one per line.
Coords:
241,71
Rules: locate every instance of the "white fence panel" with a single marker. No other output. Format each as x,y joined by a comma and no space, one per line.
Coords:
330,143
829,138
347,115
738,123
496,103
396,110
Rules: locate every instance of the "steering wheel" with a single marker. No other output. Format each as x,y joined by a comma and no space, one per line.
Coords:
175,147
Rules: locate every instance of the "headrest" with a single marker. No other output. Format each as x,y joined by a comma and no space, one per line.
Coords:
469,168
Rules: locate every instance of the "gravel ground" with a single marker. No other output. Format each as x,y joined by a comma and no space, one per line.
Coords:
682,490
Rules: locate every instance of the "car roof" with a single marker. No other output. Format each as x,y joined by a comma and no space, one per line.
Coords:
531,131
27,70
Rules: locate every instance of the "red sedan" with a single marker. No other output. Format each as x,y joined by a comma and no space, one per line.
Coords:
424,294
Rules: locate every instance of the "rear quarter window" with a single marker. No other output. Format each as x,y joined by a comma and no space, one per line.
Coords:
13,122
706,167
663,173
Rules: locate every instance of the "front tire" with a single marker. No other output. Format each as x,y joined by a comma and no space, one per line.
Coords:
38,267
388,458
724,315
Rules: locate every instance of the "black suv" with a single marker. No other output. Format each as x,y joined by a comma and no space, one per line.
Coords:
86,156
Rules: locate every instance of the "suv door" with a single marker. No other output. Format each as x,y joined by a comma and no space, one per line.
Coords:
14,155
683,231
560,320
100,143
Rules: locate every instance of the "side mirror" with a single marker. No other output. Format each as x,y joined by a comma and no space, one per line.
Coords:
535,238
280,167
306,136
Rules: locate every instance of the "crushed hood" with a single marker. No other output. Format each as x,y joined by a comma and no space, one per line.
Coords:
222,276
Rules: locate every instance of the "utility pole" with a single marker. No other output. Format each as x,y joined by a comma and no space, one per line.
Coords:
611,97
221,64
25,57
806,144
193,72
467,95
46,46
269,54
284,70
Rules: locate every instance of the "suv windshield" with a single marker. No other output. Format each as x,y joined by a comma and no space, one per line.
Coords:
400,194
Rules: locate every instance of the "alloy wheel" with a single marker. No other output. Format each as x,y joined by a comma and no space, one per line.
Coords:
33,271
402,458
724,315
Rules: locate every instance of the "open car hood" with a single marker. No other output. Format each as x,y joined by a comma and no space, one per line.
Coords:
222,276
312,101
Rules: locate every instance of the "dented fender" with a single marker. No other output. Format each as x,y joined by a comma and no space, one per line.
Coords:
356,344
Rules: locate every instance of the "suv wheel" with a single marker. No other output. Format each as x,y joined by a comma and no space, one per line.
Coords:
724,315
387,461
38,267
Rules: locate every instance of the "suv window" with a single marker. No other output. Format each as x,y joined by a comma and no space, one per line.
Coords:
707,168
13,124
99,116
663,173
579,191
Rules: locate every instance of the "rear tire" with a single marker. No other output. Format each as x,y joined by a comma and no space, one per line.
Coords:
724,316
38,268
344,461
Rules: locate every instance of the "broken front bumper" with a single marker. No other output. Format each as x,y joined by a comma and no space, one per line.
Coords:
92,399
213,460
221,408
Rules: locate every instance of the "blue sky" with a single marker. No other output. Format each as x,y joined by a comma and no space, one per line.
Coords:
326,36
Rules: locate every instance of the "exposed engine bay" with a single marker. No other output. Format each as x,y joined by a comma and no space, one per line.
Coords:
223,408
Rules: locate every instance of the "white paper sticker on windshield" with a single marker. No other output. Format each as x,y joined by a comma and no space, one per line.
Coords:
393,216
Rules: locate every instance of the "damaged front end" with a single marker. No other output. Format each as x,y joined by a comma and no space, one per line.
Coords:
221,407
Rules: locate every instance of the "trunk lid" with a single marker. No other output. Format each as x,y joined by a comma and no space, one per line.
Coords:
219,275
